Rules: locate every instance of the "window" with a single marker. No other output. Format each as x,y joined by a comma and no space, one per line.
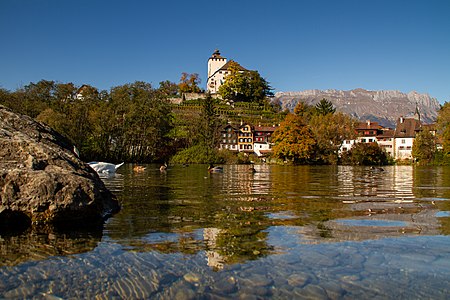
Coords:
363,140
403,141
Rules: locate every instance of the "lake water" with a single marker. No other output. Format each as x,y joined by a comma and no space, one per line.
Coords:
284,232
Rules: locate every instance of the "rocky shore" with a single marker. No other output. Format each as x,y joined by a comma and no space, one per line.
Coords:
43,181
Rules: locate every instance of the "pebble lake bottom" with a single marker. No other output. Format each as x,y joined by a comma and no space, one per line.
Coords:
303,232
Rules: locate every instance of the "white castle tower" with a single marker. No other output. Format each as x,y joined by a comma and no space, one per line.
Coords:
215,78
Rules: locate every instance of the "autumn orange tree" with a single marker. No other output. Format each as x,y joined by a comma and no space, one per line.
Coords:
293,140
189,83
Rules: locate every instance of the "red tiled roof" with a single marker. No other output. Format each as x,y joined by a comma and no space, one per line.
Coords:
265,128
368,125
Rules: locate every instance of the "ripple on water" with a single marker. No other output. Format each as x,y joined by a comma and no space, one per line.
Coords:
442,214
281,215
373,223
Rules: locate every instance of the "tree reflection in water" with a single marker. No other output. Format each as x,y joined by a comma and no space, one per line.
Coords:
228,216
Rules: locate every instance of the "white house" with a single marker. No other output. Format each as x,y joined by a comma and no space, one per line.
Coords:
217,71
262,139
371,132
386,141
405,133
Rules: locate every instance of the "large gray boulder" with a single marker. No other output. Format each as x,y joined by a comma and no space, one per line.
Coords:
43,181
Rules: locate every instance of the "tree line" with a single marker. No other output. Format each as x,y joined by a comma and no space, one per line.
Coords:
128,123
135,122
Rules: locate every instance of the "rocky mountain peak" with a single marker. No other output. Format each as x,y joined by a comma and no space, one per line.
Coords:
384,106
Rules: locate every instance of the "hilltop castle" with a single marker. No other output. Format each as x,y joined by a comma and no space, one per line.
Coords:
217,71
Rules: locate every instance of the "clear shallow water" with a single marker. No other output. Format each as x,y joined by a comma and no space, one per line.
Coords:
283,232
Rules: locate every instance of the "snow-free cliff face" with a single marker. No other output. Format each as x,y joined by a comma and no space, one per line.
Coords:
384,107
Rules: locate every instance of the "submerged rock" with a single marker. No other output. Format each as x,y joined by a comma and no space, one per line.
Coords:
43,181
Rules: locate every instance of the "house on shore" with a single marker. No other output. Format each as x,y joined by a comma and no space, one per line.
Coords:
368,132
396,142
229,138
262,140
405,133
247,138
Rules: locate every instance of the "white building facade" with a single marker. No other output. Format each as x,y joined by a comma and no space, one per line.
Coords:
215,77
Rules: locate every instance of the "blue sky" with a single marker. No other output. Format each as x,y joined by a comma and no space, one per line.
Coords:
295,45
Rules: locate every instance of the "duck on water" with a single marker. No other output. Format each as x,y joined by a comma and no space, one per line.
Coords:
212,169
139,168
163,168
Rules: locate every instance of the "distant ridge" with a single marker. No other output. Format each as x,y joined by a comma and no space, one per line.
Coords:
382,106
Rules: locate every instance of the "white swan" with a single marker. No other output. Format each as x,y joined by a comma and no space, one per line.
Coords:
103,167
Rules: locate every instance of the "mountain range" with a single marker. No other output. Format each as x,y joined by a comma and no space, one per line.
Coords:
384,107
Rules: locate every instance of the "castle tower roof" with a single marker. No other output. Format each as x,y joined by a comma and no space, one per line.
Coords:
216,54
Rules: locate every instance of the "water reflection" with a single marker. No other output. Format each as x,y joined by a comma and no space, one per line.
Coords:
282,232
40,243
228,215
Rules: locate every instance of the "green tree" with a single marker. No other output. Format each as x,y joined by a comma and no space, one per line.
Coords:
209,123
64,92
366,154
204,131
244,85
424,147
7,99
293,140
330,130
443,123
325,107
73,117
168,88
134,124
34,98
